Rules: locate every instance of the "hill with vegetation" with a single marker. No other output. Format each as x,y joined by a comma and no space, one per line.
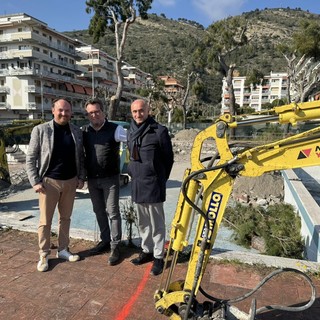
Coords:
162,46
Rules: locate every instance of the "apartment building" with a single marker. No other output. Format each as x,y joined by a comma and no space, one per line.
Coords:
273,86
39,64
171,85
134,78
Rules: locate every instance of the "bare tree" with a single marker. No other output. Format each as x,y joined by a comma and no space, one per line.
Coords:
117,16
190,76
303,57
225,37
304,76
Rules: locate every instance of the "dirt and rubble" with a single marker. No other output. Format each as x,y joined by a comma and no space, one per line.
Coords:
19,180
264,190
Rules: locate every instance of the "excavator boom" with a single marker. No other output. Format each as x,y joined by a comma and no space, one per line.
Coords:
207,187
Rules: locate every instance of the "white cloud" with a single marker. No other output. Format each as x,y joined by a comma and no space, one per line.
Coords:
165,3
217,9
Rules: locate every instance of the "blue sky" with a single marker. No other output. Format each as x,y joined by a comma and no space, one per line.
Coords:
68,15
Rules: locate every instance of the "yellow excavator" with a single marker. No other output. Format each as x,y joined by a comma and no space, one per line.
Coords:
203,198
14,133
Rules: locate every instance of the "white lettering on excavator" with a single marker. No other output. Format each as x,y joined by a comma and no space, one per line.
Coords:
212,213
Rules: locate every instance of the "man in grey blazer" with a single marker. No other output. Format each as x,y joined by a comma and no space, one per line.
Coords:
55,168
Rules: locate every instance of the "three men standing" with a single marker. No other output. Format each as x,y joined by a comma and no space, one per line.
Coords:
55,167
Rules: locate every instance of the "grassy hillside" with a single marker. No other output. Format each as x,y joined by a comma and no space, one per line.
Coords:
162,46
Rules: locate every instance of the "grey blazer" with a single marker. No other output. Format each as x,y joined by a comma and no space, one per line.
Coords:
41,147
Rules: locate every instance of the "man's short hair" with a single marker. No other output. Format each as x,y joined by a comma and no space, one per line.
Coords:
94,101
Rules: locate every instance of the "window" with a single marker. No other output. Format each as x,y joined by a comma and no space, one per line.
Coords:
24,47
23,65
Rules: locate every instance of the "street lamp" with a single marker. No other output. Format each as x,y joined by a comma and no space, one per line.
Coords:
92,76
41,93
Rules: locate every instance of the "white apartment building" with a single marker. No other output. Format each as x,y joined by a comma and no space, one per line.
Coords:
134,78
273,86
99,67
39,64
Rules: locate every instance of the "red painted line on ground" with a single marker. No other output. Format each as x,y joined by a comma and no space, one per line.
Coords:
128,306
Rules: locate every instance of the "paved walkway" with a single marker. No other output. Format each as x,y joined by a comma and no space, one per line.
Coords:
90,289
21,211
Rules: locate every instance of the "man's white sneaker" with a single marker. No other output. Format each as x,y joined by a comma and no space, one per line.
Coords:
43,264
67,255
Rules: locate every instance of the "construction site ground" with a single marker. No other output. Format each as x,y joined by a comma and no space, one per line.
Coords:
90,289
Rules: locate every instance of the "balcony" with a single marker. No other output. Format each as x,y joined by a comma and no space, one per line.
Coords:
30,36
31,106
4,89
97,62
4,106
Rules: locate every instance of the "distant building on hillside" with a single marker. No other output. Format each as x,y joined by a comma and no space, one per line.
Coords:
273,86
171,85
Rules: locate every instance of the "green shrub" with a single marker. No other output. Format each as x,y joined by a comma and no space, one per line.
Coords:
278,225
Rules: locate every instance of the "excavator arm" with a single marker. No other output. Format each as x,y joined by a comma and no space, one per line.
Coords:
207,187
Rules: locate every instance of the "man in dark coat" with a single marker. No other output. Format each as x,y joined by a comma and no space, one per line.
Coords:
151,160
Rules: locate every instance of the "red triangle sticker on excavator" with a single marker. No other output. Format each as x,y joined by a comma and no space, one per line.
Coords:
304,154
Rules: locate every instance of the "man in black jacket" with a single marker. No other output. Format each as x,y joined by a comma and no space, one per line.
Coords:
101,141
151,160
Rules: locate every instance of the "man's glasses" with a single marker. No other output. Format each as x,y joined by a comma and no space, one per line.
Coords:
93,113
